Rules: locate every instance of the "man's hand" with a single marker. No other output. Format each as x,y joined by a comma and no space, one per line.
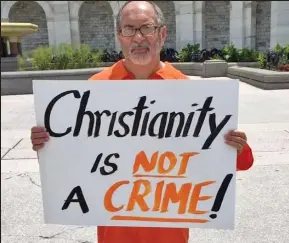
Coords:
236,139
39,137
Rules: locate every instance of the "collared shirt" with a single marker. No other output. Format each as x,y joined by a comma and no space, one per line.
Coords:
119,72
118,234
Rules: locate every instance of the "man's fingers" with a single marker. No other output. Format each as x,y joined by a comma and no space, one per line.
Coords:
38,129
37,147
238,146
39,135
39,141
238,140
238,134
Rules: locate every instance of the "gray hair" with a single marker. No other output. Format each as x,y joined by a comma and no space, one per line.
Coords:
158,12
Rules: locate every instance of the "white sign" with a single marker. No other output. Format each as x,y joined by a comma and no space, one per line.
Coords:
138,153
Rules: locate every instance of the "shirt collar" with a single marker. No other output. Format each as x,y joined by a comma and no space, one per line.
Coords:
119,72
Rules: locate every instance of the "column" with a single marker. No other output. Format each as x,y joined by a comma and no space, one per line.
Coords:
117,45
75,35
184,24
14,46
51,31
279,23
198,23
250,24
62,32
237,24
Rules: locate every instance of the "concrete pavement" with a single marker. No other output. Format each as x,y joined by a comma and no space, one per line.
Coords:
262,210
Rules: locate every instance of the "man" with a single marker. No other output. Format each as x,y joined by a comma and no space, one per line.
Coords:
142,32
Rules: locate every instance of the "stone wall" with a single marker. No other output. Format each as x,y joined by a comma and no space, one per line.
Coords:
217,24
30,12
168,10
96,25
263,21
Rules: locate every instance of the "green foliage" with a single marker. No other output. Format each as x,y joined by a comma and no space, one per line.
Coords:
42,58
247,55
65,56
217,57
230,53
185,55
61,57
262,60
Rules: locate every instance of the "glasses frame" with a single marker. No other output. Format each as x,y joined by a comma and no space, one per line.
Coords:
139,29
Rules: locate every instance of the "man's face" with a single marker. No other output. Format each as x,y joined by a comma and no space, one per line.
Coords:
140,48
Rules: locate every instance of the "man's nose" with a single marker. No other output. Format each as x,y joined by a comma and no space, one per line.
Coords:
138,36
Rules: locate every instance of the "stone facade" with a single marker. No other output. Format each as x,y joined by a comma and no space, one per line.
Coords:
263,17
217,24
30,12
168,10
96,25
258,25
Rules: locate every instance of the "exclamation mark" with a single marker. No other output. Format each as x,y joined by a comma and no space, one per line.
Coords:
220,195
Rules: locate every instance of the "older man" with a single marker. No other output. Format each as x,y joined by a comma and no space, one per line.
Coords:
141,32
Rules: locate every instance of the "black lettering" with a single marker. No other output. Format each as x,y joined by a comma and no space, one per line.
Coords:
123,124
172,122
162,126
206,107
80,199
49,109
189,122
96,163
98,121
215,130
111,125
145,124
81,112
139,109
110,164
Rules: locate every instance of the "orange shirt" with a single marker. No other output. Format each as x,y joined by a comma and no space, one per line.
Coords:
109,234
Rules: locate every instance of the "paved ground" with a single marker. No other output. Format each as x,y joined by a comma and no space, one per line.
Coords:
262,193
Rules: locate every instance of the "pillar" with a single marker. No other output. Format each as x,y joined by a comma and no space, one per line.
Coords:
279,23
117,44
237,23
250,24
184,24
14,46
198,23
62,32
74,29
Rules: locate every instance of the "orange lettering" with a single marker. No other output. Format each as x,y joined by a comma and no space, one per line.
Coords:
108,197
184,162
196,197
158,195
142,160
171,194
172,160
137,197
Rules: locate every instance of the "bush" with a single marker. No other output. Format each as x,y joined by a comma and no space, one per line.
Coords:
169,55
189,53
275,59
65,56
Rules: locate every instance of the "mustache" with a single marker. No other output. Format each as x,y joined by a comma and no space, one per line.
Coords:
137,45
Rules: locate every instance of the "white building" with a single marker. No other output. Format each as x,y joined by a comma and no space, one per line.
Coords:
259,25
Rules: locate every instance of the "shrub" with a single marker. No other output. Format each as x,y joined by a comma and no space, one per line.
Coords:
65,56
189,53
247,55
230,53
262,60
169,55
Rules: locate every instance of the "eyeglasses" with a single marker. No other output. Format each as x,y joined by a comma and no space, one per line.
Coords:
145,30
